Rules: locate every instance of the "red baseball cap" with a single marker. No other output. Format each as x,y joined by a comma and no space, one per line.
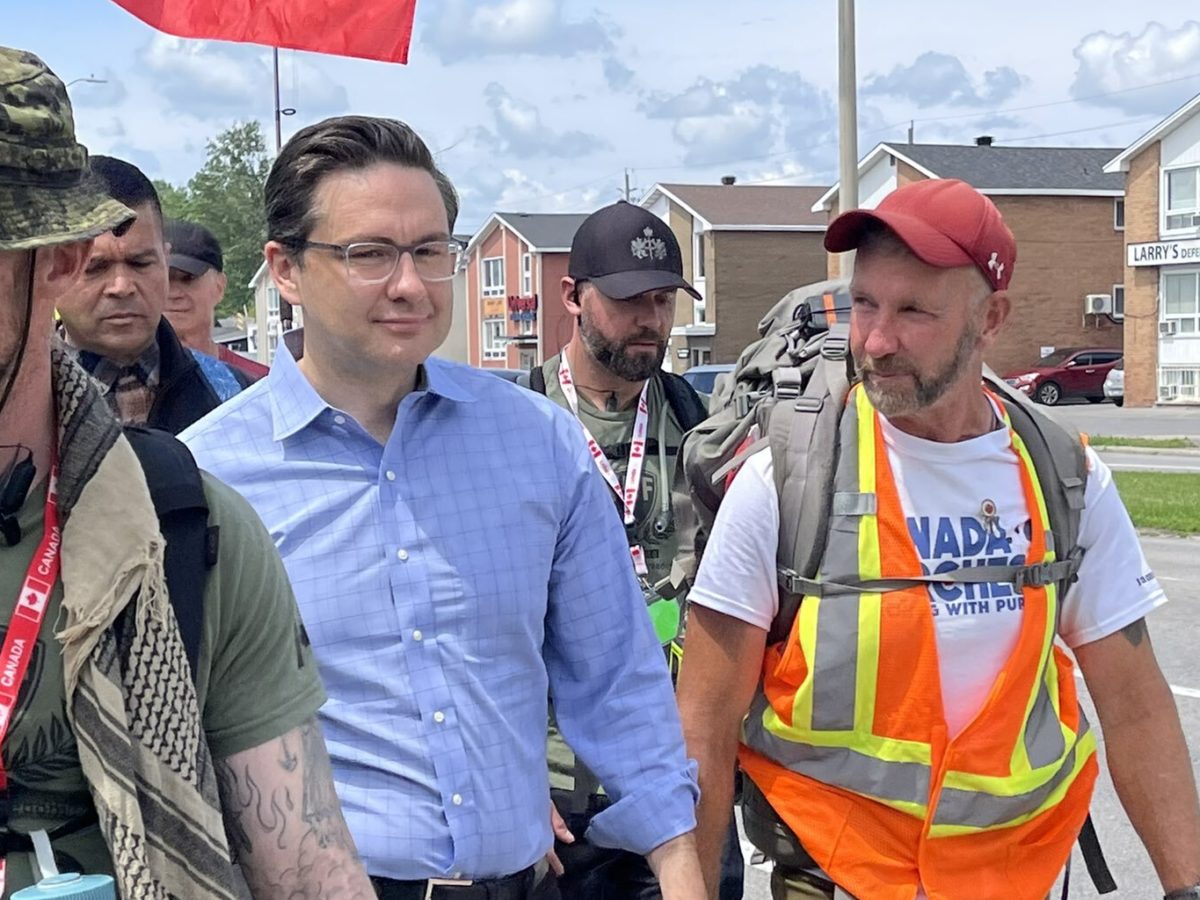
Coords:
945,223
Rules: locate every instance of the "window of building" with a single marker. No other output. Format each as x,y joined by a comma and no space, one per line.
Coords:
1183,204
1118,295
494,344
1178,383
526,274
273,300
526,327
1181,301
1119,214
491,274
699,312
698,255
701,357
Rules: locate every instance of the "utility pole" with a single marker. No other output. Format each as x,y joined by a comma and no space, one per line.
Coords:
627,191
847,122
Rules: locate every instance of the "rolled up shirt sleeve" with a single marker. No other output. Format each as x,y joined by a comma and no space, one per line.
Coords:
608,675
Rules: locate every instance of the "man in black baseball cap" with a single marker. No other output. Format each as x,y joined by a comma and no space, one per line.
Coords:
625,271
198,283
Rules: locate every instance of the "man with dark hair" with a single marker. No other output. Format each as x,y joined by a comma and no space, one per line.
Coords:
624,271
197,284
454,556
113,316
129,757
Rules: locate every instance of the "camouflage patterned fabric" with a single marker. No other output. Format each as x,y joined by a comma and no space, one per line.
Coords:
46,196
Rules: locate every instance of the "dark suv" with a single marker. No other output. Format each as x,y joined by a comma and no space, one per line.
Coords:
1066,373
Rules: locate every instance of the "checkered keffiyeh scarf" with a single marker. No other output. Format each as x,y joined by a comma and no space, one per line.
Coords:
130,697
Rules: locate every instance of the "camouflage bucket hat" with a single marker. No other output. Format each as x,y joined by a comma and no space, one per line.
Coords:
46,194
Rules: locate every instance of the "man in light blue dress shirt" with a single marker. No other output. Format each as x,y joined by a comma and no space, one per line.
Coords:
454,556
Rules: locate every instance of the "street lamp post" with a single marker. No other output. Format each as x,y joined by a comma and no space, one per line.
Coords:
847,122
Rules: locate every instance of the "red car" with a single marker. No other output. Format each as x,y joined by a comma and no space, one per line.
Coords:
1066,373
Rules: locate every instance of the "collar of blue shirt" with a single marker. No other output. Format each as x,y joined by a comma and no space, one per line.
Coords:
295,404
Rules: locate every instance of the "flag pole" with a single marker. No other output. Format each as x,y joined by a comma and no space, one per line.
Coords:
285,308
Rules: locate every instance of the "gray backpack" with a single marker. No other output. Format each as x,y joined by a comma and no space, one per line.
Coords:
788,392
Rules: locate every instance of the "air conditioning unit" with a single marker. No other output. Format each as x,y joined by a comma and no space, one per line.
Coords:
1168,392
1166,329
1098,304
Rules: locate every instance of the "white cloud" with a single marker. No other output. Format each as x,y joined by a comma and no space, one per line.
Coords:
216,80
763,111
470,29
1109,62
935,78
520,130
512,189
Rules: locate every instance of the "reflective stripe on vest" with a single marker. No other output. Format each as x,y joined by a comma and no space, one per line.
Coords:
852,699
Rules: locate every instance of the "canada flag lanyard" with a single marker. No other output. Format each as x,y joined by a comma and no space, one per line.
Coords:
26,623
637,455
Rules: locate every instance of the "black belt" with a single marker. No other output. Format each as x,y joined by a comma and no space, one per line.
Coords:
509,887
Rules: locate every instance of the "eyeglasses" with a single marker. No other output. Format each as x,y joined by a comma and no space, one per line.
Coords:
371,262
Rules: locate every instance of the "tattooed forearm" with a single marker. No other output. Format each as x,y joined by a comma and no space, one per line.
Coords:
1135,632
284,821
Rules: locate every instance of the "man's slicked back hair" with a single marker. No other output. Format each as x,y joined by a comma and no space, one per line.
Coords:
341,144
125,183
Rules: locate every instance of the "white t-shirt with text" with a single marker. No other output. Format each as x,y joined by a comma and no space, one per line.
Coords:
944,490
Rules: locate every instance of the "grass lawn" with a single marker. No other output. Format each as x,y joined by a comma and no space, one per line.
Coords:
1162,501
1175,443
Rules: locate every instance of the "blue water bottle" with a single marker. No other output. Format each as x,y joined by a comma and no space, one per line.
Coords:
72,886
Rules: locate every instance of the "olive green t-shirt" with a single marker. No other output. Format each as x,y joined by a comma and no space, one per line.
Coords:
256,678
613,431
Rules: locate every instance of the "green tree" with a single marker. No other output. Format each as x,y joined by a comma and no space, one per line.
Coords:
226,196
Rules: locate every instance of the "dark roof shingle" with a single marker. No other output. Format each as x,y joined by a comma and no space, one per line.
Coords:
1018,168
741,205
545,230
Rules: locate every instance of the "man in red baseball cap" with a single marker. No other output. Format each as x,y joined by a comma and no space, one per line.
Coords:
913,731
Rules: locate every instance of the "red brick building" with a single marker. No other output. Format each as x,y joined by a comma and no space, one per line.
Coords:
744,247
514,311
1162,260
1068,216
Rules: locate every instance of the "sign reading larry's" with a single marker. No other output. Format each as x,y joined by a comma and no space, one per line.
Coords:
1163,253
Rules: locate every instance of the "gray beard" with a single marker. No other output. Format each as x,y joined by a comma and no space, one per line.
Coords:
612,355
926,390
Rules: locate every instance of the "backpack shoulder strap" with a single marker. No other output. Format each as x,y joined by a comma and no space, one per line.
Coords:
803,436
535,380
685,403
178,494
1060,460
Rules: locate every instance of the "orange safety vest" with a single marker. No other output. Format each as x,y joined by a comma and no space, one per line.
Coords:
847,738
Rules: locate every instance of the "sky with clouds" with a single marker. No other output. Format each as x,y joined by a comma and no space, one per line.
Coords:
542,105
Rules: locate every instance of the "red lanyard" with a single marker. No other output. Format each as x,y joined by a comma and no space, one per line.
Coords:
26,623
637,454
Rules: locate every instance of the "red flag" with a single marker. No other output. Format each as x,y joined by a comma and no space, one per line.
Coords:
369,29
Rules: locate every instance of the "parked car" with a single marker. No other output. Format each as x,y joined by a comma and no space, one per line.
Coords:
704,378
1067,373
1114,383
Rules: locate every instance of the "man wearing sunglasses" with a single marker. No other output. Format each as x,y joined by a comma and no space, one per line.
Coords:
453,554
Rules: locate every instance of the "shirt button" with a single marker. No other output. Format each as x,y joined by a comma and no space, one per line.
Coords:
402,555
391,476
341,420
456,799
417,635
439,717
